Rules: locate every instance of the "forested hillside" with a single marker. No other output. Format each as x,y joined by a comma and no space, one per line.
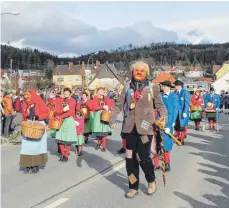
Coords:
160,54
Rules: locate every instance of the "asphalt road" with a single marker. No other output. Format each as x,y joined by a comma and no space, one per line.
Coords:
199,177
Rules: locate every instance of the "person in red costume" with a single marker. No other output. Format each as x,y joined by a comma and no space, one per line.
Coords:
55,109
101,129
197,106
34,152
88,103
66,135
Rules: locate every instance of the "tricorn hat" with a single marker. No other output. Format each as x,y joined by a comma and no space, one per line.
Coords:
212,89
178,82
167,83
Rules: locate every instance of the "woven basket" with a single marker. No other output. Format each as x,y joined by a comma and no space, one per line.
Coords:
193,107
106,116
210,114
55,123
33,130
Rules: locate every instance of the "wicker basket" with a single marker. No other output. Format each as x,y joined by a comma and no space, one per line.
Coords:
33,130
106,116
55,123
193,107
210,114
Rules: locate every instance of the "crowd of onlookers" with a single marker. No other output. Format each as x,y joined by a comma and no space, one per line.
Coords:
12,100
224,102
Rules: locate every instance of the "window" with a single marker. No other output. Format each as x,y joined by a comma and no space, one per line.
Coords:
60,79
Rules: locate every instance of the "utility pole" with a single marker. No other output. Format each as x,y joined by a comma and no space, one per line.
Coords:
11,68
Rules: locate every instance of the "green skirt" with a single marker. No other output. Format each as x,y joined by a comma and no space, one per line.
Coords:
100,128
67,132
80,140
88,124
196,115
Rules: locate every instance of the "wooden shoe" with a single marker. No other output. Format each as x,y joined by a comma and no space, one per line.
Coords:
131,193
152,188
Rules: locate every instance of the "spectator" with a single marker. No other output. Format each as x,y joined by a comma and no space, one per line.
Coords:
8,112
221,101
226,103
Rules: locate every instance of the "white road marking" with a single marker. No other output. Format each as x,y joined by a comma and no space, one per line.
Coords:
57,203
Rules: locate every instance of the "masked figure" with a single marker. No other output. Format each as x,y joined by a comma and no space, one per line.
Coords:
138,125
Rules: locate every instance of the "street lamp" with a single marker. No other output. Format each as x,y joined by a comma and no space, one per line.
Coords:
10,13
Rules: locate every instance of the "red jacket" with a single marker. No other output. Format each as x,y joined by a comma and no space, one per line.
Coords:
197,100
89,103
55,104
18,105
96,103
72,108
80,128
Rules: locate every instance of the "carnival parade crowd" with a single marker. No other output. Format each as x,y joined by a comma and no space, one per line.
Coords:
154,117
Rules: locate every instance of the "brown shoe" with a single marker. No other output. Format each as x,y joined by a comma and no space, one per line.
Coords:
131,193
152,188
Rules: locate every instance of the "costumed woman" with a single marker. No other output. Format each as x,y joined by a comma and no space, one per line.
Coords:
196,107
171,101
138,126
34,152
181,126
86,104
101,129
55,108
66,135
212,102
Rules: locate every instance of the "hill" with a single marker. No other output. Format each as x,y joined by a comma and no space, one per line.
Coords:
157,53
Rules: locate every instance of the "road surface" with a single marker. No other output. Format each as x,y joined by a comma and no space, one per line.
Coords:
199,177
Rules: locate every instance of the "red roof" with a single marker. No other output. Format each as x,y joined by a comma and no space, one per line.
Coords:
164,76
206,79
216,68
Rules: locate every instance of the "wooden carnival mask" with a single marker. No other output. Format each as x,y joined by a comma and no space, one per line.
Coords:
140,73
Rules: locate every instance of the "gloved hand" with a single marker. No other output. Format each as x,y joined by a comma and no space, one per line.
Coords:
66,108
105,107
77,123
184,115
167,130
174,124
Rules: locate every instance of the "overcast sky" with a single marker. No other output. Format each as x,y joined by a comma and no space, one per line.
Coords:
75,28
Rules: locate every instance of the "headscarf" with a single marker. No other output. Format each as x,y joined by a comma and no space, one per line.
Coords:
41,108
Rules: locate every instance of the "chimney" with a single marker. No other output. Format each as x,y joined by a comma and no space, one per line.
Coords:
70,65
97,64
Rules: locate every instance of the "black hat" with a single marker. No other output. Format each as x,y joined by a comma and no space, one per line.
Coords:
178,82
166,83
212,89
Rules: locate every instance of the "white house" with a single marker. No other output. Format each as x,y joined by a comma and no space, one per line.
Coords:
194,73
222,83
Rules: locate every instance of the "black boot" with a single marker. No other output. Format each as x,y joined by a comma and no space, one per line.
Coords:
167,167
104,150
35,170
27,170
121,151
97,146
65,159
61,158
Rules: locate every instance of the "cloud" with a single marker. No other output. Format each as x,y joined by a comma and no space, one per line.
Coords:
54,27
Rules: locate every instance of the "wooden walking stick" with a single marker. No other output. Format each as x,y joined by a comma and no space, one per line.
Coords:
159,124
163,160
161,127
